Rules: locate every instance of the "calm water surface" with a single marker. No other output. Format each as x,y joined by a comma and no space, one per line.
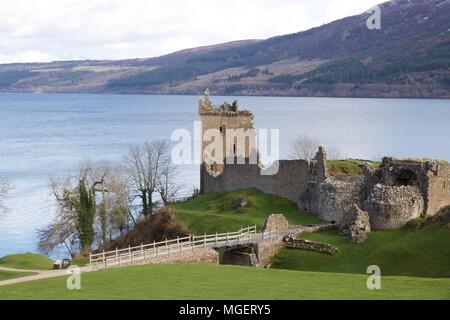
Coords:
43,135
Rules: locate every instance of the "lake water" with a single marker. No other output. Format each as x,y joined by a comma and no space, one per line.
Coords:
43,135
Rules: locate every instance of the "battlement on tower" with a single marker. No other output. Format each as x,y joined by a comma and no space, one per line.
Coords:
205,108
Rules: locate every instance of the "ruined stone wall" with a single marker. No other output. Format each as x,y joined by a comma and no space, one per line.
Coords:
290,182
265,250
391,207
275,222
197,256
438,187
311,246
335,196
432,177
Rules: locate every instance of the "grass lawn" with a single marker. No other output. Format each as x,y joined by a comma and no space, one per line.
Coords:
27,261
217,211
225,282
6,275
425,253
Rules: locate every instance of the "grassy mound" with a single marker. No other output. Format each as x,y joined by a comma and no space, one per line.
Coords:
424,253
225,282
217,211
339,168
27,261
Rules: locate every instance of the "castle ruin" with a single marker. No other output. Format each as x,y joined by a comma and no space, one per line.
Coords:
392,193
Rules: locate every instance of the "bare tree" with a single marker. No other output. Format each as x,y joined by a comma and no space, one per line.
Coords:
304,147
144,166
92,207
334,153
113,208
63,230
5,187
167,185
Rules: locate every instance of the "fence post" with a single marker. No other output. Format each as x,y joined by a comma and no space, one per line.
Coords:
90,257
142,248
129,253
228,240
117,254
216,240
103,257
204,241
193,241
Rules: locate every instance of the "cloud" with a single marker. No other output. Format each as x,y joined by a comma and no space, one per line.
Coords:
48,30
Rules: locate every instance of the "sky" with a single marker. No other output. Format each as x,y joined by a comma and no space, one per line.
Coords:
49,30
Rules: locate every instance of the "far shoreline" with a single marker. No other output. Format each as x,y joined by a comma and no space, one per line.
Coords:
219,95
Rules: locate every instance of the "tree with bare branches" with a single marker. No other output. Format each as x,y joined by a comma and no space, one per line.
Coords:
144,166
92,206
166,184
304,147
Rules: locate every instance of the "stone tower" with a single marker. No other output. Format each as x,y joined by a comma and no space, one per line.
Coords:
232,126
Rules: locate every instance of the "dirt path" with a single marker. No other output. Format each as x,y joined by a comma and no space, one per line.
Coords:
39,274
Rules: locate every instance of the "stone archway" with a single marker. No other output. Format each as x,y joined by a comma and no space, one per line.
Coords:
405,177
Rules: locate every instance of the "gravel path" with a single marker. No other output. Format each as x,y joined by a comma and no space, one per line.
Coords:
39,274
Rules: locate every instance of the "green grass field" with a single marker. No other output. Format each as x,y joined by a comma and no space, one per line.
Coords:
225,282
27,261
414,265
216,211
425,253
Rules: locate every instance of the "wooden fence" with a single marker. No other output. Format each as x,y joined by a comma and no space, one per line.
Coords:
146,252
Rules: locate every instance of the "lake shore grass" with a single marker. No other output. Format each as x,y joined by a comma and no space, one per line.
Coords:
178,282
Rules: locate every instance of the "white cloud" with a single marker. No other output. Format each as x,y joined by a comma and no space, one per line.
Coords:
48,30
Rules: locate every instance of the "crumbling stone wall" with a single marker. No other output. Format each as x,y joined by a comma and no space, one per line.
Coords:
290,182
197,256
391,207
275,222
356,224
265,250
295,179
337,195
303,244
437,187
